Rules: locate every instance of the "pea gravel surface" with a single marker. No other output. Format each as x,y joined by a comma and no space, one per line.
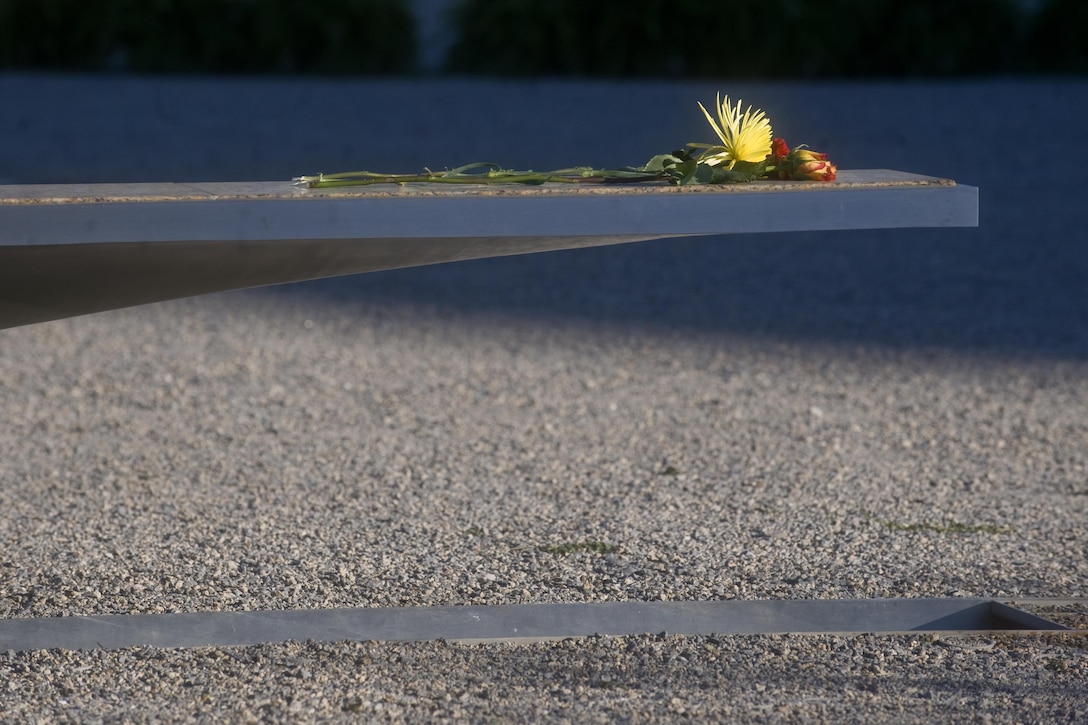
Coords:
865,414
749,678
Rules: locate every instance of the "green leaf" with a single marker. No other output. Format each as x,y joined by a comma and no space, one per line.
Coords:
661,163
741,173
685,172
751,169
705,174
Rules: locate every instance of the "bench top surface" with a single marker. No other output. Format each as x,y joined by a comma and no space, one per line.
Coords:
72,249
49,215
284,190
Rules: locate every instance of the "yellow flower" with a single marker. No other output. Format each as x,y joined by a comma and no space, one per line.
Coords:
744,137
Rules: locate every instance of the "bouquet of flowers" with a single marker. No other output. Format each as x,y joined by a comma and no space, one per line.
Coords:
748,150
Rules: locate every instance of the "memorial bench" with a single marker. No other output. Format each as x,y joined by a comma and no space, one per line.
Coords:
68,250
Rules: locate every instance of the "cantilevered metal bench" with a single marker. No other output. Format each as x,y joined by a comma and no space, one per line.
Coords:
67,250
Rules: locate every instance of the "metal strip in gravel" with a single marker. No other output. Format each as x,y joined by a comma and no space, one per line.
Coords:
518,622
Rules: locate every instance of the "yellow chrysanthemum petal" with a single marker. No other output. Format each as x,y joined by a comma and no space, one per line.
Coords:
712,122
745,137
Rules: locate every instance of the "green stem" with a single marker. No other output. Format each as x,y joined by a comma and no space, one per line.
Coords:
492,174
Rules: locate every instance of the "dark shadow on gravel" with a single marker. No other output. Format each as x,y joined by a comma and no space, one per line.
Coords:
997,289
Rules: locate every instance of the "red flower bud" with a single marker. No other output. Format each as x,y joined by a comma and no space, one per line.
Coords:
779,150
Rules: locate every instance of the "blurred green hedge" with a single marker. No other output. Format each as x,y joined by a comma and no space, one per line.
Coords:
755,38
1059,37
682,38
322,36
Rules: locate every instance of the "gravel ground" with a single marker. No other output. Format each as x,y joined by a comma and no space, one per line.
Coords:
872,414
630,679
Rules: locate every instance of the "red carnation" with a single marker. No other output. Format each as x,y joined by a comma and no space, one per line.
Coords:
779,150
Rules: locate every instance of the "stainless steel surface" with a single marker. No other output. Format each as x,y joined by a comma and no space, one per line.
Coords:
67,250
518,622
